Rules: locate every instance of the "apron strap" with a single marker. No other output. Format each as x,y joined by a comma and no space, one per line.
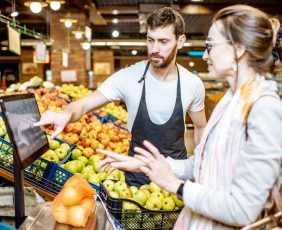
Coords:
144,74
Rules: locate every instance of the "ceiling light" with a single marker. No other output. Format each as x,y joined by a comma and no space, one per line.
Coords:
86,45
68,21
78,33
14,14
115,12
35,6
134,52
115,21
191,63
55,4
197,0
115,33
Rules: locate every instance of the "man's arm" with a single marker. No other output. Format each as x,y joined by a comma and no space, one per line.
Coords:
199,121
85,105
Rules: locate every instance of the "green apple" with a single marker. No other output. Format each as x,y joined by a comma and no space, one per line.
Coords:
88,169
2,131
114,175
61,153
154,203
119,186
133,189
50,155
154,188
129,206
95,166
65,146
168,204
83,159
102,175
94,179
75,154
144,186
146,190
109,184
114,194
106,170
179,203
125,193
54,144
80,165
122,176
85,175
158,195
72,166
141,197
165,193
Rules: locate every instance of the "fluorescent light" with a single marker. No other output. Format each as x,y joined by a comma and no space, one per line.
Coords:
115,20
14,14
134,52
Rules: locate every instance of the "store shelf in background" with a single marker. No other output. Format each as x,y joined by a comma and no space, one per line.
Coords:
46,177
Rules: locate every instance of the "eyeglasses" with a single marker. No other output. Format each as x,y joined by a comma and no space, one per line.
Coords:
210,44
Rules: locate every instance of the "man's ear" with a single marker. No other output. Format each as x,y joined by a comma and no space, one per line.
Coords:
181,41
240,50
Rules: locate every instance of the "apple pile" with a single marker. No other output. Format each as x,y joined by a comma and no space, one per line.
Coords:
75,202
150,196
50,99
89,134
57,151
88,168
75,91
115,110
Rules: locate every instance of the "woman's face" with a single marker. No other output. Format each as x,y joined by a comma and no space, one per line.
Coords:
219,53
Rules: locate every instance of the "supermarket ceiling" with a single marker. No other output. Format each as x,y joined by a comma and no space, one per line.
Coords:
131,14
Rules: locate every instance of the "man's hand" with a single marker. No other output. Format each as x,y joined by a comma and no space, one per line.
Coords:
118,161
59,119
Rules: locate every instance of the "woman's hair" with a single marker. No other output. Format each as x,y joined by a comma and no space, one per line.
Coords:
167,16
261,35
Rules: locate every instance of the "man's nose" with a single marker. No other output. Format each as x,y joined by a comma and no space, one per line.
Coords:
156,47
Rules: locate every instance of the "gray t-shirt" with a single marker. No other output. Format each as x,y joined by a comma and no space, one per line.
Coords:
160,96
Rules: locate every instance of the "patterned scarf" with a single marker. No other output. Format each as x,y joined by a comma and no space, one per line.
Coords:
216,155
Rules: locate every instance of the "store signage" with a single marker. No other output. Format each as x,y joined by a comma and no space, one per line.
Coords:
14,38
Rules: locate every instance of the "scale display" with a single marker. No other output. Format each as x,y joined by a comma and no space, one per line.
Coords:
20,112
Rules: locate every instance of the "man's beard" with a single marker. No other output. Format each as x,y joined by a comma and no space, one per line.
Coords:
163,62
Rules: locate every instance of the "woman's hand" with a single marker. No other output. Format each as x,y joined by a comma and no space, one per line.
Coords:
157,167
118,161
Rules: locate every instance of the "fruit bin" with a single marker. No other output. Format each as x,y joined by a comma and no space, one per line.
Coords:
140,219
111,119
42,174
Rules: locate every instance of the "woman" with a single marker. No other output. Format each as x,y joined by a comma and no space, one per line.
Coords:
233,176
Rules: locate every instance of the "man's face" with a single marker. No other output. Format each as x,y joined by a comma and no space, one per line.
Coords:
162,46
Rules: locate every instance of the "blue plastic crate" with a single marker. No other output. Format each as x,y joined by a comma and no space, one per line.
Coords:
58,176
42,173
6,227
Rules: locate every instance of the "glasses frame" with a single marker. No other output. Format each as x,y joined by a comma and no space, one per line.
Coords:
210,43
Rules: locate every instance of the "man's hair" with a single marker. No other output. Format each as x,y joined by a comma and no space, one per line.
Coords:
167,16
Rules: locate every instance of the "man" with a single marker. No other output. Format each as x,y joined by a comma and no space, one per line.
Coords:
157,93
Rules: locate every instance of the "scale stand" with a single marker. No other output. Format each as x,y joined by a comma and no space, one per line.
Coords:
19,193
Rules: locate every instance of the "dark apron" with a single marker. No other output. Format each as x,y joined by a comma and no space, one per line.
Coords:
168,137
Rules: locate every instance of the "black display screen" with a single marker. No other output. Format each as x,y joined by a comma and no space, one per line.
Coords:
20,112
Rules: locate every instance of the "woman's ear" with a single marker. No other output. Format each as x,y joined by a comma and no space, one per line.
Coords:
181,41
240,50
